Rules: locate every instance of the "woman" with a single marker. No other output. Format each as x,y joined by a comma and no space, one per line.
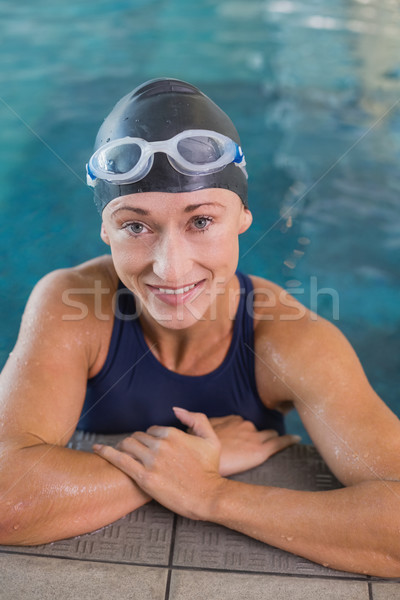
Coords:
165,332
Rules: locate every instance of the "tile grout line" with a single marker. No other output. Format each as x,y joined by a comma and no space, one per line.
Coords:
370,595
171,557
171,567
104,561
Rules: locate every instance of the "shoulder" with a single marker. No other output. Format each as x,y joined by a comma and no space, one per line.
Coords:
289,339
288,324
47,371
100,268
272,303
60,288
72,305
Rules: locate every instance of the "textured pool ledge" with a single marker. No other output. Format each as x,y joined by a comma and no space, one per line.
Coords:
152,553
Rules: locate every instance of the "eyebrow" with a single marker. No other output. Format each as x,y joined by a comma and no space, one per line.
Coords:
187,209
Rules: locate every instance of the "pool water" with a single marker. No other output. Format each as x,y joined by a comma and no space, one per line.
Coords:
314,89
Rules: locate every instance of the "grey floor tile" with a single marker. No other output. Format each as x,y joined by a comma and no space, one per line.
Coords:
37,578
299,467
195,585
386,591
204,545
143,536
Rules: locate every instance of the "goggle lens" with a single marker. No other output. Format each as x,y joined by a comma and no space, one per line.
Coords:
119,159
200,150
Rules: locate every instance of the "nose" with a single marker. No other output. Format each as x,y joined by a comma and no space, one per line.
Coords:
172,262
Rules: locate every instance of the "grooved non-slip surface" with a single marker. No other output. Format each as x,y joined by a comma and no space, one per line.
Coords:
200,557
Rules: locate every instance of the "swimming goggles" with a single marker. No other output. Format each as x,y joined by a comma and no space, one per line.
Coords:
191,152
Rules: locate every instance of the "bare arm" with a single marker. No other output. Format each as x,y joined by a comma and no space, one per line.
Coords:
353,429
50,493
47,491
353,529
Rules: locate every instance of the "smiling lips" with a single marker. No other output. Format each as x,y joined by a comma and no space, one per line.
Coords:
178,291
182,292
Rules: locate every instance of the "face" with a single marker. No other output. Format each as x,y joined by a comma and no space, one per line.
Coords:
175,252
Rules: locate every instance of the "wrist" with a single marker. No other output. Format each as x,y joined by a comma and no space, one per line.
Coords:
210,508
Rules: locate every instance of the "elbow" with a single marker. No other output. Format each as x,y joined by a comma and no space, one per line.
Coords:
13,531
17,522
10,531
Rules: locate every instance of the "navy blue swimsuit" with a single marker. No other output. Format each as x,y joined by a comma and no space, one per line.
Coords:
134,390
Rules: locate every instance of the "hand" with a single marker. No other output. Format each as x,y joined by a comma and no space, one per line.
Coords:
177,469
243,446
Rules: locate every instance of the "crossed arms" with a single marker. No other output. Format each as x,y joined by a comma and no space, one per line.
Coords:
49,492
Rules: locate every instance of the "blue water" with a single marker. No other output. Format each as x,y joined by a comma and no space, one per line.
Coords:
314,88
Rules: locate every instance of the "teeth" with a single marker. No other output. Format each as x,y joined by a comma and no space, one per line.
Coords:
179,291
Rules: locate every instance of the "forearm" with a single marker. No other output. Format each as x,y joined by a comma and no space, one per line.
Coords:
353,529
50,493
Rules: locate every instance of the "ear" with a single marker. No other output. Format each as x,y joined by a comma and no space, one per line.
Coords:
246,219
104,234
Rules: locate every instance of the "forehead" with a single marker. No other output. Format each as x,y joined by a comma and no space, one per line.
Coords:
166,203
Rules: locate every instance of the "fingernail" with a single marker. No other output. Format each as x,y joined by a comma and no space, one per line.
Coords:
178,408
97,447
296,438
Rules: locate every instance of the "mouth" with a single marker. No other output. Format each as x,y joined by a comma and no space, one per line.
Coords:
172,295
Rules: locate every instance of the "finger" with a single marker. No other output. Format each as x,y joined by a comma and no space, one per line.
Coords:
122,461
218,422
136,450
221,421
158,432
139,437
228,419
267,434
198,422
281,442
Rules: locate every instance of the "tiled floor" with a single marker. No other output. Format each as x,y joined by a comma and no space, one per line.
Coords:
154,554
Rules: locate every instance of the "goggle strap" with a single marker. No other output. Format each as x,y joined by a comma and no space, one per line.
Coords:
239,156
91,178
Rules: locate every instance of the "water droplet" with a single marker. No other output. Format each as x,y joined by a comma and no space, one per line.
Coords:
304,241
290,264
293,283
298,253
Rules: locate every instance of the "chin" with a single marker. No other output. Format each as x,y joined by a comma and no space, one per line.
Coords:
178,318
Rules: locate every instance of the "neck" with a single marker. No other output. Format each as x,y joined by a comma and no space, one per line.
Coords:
175,348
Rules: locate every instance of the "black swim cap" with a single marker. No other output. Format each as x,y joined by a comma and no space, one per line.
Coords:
155,111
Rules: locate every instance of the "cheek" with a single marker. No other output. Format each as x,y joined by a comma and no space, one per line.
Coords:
226,243
127,250
127,261
223,251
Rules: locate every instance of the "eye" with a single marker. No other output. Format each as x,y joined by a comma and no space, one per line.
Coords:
201,223
135,228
